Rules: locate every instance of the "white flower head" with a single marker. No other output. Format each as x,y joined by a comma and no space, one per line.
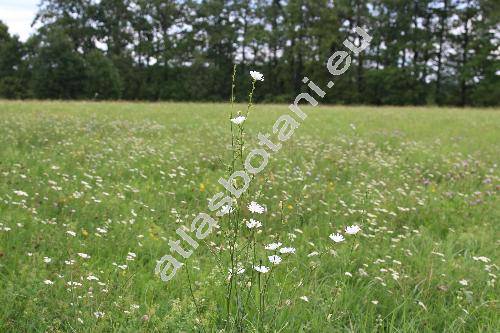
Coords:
304,298
48,282
84,255
337,238
464,282
483,259
261,269
352,230
273,246
238,120
74,284
253,224
275,259
256,208
285,250
99,314
238,270
257,76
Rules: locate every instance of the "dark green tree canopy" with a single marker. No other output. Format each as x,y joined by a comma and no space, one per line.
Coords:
443,52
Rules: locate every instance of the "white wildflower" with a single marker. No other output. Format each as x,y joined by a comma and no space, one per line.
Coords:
483,259
238,120
73,283
337,238
352,230
99,314
275,259
287,250
261,269
256,208
257,76
238,270
272,246
253,224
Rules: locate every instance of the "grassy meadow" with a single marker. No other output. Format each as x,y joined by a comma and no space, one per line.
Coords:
92,192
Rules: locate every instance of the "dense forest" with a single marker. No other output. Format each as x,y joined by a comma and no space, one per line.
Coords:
438,52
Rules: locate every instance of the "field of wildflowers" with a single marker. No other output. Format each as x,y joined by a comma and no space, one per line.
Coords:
366,220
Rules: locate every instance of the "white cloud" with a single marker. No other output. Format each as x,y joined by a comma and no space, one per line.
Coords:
18,16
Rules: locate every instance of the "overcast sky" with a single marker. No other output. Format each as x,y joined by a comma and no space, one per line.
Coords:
18,15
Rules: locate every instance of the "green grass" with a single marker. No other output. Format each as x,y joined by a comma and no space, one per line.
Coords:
421,182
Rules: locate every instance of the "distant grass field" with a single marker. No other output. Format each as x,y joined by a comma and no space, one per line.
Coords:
91,193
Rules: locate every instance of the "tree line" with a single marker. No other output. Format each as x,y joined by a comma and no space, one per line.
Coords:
438,52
